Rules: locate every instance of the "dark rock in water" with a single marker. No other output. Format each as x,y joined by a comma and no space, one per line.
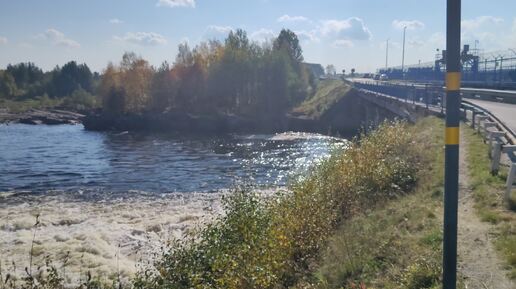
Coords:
30,121
50,117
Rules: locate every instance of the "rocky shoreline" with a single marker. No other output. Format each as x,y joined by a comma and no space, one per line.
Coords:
215,123
37,116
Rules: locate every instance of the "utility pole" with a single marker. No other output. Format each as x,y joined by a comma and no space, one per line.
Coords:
451,170
387,55
501,69
403,54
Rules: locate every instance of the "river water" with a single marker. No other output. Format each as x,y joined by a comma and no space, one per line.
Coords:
68,158
113,199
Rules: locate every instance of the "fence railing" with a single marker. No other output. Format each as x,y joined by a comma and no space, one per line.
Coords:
501,139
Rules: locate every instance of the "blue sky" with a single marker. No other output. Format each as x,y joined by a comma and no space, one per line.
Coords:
346,33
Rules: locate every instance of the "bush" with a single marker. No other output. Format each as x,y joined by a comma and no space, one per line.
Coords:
265,242
272,241
80,100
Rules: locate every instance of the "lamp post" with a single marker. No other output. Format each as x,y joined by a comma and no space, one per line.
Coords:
387,55
403,53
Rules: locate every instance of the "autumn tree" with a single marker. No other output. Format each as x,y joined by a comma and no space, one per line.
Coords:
113,96
136,76
236,76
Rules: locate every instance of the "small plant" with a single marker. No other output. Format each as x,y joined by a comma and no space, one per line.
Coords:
275,241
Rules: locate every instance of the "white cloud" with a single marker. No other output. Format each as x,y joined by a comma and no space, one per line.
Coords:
115,21
220,29
176,3
471,24
486,29
143,38
308,36
343,43
410,24
288,18
3,40
58,38
217,32
351,29
262,34
512,36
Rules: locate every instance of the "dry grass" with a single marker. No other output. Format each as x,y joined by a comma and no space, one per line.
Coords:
355,206
488,191
328,93
396,244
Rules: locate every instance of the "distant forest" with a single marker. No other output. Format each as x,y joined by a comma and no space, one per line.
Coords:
234,76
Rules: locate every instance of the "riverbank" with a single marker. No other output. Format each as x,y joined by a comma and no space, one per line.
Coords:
335,109
263,242
39,116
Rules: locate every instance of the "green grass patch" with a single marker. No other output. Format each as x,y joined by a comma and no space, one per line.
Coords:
19,106
488,191
396,244
368,214
275,242
77,101
328,93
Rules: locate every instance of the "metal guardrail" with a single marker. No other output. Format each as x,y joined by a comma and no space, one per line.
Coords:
490,94
501,139
506,96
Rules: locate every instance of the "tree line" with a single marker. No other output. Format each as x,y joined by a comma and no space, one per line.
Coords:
234,76
26,80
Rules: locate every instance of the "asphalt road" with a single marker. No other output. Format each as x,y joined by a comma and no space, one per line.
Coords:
504,111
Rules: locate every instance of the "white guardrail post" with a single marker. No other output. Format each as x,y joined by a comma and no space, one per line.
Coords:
511,177
495,151
473,118
486,126
479,120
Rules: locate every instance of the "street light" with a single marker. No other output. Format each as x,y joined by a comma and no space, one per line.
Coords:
403,54
387,55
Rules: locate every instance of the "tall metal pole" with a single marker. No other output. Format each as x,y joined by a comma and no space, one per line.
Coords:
451,179
403,54
501,69
387,55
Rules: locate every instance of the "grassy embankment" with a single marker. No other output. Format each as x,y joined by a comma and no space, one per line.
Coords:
328,93
352,220
368,214
488,191
396,244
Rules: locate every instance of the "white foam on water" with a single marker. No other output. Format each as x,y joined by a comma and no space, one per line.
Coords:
291,136
94,232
